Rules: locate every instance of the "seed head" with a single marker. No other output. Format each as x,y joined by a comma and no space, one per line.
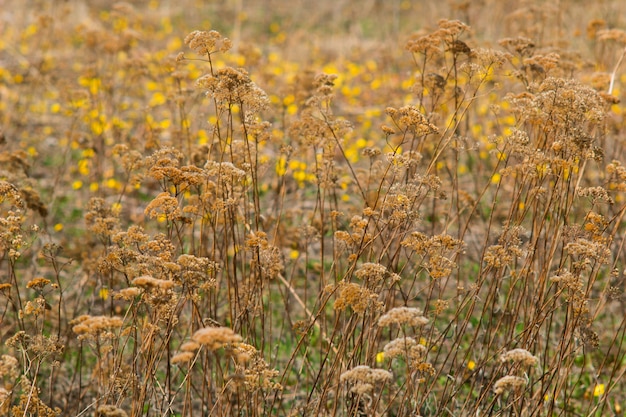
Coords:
508,383
403,315
520,356
363,378
216,337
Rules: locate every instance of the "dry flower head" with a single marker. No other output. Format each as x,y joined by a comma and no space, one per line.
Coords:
403,315
215,338
363,379
520,356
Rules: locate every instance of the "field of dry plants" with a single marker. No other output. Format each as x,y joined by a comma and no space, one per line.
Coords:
331,208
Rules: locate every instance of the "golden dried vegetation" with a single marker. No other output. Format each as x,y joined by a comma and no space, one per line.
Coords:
271,209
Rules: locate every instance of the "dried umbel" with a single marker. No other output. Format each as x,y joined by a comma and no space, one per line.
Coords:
9,367
110,411
616,35
130,159
197,271
521,45
206,42
439,266
616,176
413,354
45,346
230,86
324,84
497,256
507,250
571,116
224,171
519,356
91,327
35,307
588,251
587,336
431,245
128,294
216,337
508,383
363,378
255,370
566,279
183,357
269,256
164,205
5,402
371,272
359,235
38,283
147,282
164,164
405,347
403,315
189,346
138,255
446,37
357,297
100,218
10,192
410,118
30,404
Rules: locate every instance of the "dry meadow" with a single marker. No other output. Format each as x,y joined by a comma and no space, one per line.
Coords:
295,208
